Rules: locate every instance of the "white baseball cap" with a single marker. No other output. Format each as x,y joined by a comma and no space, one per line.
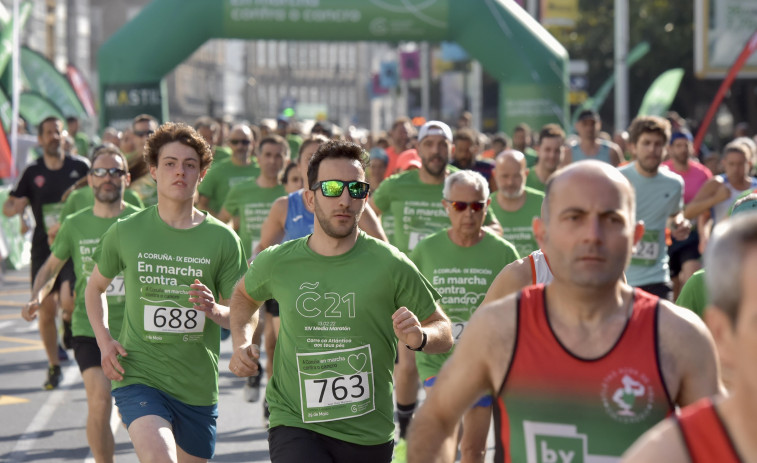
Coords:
435,128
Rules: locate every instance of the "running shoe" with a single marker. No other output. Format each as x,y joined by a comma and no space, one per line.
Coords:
400,452
67,336
53,377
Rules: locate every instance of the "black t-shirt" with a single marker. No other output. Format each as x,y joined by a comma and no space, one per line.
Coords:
41,186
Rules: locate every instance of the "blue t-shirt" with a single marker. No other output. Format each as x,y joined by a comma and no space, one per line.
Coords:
299,221
657,198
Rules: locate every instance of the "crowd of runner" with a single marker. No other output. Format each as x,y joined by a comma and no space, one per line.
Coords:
553,282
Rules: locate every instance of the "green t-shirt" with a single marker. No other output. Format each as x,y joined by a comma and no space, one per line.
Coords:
416,207
172,347
221,177
335,352
221,153
693,295
531,157
77,240
251,204
84,197
657,198
534,182
462,275
517,225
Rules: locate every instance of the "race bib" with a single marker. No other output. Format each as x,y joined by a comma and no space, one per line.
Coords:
336,385
116,287
51,214
415,238
647,250
457,330
168,315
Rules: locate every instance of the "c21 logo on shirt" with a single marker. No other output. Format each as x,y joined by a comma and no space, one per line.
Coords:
338,305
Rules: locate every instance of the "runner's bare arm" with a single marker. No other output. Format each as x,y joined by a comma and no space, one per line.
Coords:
43,284
514,277
688,357
244,319
225,217
370,223
202,298
374,207
477,367
712,192
14,206
97,311
661,443
409,330
272,231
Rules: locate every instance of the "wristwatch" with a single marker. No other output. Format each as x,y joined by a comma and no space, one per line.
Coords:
423,343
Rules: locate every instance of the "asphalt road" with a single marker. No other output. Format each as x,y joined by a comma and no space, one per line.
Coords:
49,426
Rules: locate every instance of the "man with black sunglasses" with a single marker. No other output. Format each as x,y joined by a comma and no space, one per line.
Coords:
241,166
41,186
462,261
76,240
346,302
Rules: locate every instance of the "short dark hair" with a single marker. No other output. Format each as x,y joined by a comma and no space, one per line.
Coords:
108,148
648,124
182,133
285,175
466,134
144,118
206,121
335,149
311,139
551,131
41,125
275,139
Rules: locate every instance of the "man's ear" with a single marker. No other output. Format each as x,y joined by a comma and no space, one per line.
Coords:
308,197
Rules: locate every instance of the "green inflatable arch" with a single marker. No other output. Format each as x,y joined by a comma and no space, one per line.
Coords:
531,66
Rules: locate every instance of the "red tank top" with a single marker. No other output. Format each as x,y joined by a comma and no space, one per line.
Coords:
705,435
555,406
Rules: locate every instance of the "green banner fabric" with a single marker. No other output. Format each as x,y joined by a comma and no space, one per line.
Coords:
343,19
122,102
13,243
34,108
6,36
39,75
6,111
661,93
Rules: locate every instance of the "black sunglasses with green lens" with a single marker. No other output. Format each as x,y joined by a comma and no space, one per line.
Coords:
334,188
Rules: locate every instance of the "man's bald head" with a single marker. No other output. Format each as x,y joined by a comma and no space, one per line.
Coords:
577,173
511,155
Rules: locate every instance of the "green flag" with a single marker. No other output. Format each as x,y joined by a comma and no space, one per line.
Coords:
39,75
661,93
34,108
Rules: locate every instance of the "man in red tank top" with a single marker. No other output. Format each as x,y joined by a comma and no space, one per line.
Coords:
720,430
583,366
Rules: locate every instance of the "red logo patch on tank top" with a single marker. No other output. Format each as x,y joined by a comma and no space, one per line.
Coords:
39,180
627,395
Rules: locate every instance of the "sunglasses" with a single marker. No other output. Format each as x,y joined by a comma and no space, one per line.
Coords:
144,133
460,206
239,142
102,172
334,188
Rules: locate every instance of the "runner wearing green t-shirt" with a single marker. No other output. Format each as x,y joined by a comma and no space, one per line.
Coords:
331,396
551,153
248,204
413,198
514,204
76,240
241,166
461,262
164,365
